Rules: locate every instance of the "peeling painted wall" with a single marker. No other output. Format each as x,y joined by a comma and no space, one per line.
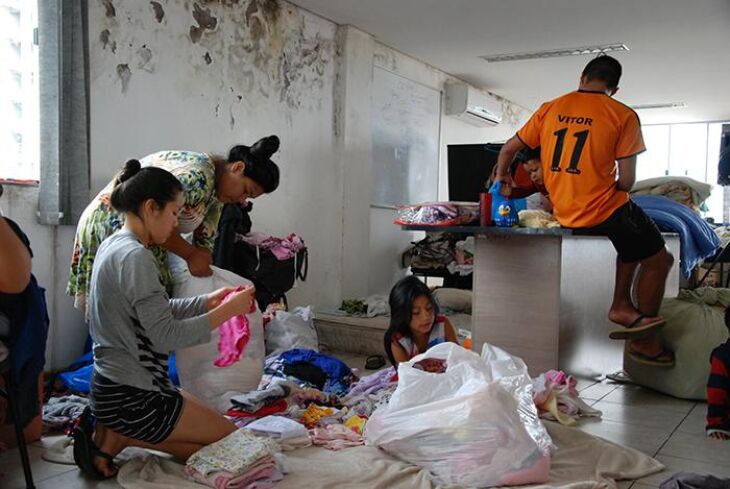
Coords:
206,75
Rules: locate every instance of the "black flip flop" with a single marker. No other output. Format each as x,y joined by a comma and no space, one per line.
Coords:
85,450
635,331
652,360
374,362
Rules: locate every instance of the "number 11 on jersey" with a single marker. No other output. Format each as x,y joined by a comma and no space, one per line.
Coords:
580,143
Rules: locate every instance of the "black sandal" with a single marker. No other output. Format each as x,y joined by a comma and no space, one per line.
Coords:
374,362
634,330
85,450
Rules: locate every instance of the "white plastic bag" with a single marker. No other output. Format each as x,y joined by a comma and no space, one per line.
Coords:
473,425
215,385
289,330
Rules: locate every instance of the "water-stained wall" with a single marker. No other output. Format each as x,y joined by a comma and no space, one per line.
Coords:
205,75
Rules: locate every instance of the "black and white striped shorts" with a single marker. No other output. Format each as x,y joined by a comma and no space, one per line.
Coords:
144,415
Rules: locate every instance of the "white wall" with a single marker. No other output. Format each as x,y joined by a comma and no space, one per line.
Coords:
387,241
206,78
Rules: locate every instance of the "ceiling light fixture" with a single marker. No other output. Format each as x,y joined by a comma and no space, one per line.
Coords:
669,105
554,53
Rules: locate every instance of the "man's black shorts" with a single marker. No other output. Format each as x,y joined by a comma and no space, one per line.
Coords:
634,235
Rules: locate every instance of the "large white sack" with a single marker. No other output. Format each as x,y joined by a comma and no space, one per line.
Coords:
289,330
474,425
216,385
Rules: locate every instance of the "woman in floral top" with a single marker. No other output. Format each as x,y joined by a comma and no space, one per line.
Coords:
208,181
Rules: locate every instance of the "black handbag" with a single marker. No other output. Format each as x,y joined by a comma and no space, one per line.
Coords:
272,277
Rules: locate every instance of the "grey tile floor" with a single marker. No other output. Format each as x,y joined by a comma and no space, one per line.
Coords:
669,429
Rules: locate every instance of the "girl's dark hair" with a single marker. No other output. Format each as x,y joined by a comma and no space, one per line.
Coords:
257,159
135,184
401,299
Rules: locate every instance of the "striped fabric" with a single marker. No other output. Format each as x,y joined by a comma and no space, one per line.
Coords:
155,363
718,391
137,413
148,416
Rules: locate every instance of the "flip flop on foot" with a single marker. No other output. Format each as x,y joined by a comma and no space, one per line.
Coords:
635,329
664,358
85,450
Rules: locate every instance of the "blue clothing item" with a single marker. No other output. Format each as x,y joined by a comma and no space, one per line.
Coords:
78,376
698,239
28,315
339,375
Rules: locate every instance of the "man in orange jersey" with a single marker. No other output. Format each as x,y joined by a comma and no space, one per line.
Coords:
589,143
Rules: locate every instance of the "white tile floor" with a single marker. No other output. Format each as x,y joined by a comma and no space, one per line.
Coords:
669,429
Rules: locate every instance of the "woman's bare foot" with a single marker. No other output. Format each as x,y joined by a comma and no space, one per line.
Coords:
649,346
719,436
628,315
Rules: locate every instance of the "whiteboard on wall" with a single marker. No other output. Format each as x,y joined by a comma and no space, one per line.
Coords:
406,129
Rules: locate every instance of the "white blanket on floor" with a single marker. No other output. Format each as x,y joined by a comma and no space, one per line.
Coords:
582,461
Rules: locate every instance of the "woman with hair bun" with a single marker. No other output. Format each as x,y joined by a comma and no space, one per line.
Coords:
208,182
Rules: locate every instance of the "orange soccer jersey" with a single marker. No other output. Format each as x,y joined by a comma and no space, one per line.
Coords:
581,135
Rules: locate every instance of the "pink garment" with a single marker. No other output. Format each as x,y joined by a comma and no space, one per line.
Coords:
234,336
335,437
281,248
262,475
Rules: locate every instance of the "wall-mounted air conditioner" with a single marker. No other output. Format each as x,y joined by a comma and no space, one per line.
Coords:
472,106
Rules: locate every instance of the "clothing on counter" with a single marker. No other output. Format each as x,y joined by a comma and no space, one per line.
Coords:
236,461
234,336
438,214
688,480
58,412
699,240
718,391
336,437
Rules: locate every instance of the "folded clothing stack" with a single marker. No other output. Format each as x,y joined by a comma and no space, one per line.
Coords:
238,461
288,433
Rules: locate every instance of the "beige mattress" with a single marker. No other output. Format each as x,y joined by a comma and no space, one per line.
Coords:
582,461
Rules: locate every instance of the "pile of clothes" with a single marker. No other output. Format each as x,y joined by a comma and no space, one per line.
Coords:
687,191
242,459
438,214
556,398
281,248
